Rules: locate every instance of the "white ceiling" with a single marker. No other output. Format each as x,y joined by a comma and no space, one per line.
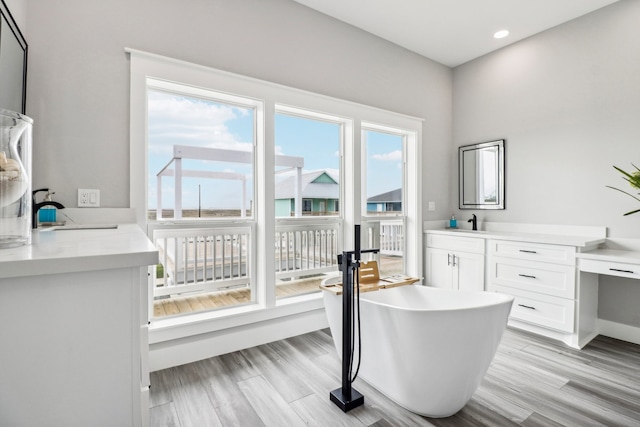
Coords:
453,32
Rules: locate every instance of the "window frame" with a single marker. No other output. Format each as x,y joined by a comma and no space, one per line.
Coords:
275,97
374,221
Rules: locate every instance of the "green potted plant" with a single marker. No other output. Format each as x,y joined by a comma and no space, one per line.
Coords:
633,178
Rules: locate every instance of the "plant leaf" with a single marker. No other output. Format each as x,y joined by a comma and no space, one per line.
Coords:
632,178
622,191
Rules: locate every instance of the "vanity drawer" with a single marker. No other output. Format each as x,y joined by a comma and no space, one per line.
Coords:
549,279
456,243
542,310
533,251
621,269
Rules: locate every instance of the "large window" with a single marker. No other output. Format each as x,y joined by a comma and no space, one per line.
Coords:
200,166
250,190
308,183
200,160
307,190
384,159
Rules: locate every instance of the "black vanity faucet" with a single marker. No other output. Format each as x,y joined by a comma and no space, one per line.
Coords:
474,222
35,207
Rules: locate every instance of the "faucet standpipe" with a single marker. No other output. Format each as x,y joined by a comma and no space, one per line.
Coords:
474,222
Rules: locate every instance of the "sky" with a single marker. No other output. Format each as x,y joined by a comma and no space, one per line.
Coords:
179,120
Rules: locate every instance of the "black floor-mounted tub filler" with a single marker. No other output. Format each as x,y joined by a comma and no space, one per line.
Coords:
346,397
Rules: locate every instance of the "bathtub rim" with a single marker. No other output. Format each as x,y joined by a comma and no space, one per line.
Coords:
500,298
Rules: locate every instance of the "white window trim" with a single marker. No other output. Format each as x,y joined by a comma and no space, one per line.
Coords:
275,98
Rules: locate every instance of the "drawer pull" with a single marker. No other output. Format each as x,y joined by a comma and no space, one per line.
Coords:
527,306
528,276
621,271
528,252
451,259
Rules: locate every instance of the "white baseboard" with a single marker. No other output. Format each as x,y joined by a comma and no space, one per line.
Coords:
177,352
619,331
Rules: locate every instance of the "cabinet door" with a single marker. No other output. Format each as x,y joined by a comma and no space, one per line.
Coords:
439,270
469,271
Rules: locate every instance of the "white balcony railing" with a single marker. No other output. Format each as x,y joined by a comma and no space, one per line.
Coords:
209,259
304,250
386,235
202,259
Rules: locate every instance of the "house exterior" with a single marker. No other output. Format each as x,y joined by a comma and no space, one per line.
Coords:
391,201
320,194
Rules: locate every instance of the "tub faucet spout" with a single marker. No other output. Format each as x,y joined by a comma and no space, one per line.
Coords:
474,222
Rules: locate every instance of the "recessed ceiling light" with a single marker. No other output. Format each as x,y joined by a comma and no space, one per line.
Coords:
501,34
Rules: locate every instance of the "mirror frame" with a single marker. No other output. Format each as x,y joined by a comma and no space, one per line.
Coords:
500,191
13,27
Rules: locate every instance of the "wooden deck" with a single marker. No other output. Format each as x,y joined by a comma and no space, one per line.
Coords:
221,299
177,305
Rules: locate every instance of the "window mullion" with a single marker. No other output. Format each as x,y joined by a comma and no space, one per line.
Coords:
266,221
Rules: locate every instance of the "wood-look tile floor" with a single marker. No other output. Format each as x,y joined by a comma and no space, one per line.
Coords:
531,382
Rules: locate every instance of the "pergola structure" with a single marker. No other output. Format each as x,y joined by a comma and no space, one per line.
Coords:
181,152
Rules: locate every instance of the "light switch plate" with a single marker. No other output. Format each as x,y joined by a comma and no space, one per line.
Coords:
88,198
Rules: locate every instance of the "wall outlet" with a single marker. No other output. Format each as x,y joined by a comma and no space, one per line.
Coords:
88,198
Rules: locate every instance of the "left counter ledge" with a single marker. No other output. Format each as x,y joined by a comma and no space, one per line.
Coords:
75,250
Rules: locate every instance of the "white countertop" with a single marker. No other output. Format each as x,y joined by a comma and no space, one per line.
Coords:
555,239
55,251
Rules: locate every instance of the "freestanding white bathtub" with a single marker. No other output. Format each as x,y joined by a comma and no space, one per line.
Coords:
425,348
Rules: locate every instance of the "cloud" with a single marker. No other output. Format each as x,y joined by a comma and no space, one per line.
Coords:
388,157
174,119
180,120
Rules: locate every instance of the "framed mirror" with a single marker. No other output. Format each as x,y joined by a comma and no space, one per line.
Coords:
481,175
13,63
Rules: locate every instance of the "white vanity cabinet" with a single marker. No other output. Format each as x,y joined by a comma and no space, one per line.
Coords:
455,262
543,280
74,329
538,266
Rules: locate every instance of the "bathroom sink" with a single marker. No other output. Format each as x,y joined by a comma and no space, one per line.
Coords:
462,230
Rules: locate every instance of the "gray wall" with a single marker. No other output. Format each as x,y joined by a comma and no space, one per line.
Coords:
79,77
567,101
18,9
